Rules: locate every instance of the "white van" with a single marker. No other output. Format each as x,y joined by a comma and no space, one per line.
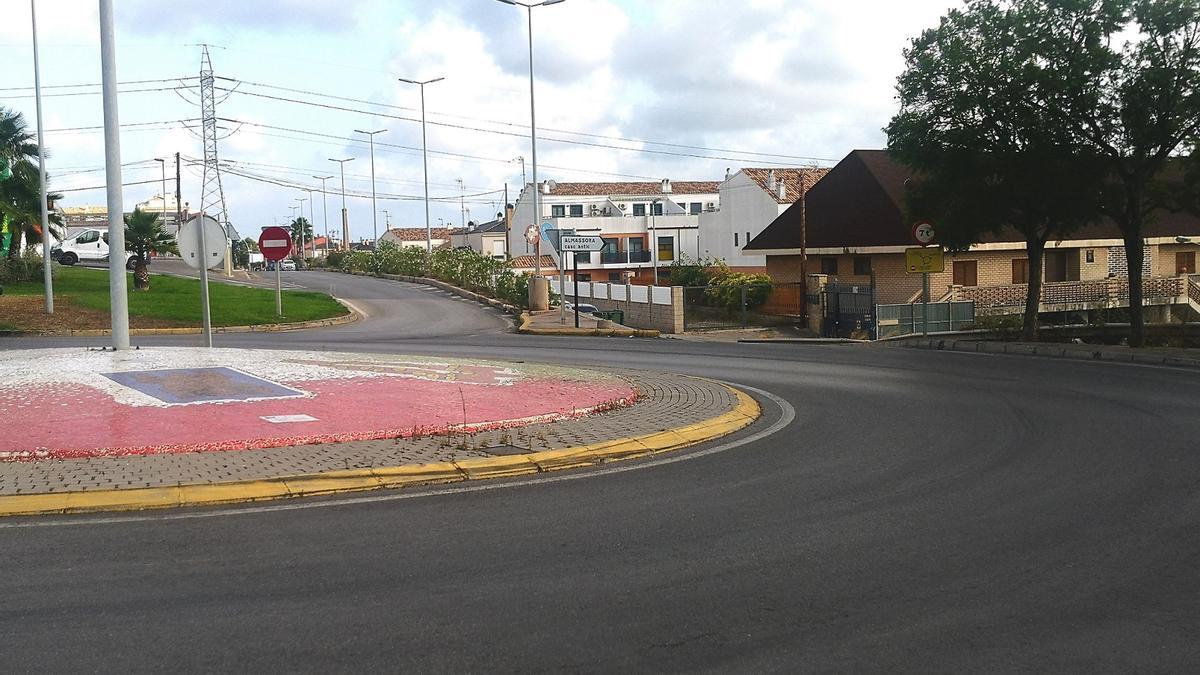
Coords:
87,246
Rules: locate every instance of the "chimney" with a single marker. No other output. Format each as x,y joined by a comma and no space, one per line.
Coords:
771,180
546,187
666,186
727,174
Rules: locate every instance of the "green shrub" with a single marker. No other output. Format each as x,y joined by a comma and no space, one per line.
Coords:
726,290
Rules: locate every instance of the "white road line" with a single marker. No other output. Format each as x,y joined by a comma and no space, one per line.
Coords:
365,314
787,416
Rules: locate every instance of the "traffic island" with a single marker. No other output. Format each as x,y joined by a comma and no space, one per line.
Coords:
172,427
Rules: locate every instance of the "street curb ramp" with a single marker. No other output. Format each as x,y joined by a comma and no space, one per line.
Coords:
745,412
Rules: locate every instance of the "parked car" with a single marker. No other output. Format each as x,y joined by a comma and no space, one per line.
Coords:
584,308
288,265
88,246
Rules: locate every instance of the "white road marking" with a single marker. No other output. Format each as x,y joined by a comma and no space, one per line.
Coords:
365,314
285,419
787,416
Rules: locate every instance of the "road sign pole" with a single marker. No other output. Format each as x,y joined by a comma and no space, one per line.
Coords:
205,311
575,279
925,303
278,290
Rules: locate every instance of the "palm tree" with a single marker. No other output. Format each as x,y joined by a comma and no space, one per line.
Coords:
146,234
302,233
20,193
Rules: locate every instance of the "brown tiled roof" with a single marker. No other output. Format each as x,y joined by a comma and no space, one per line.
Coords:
527,262
418,233
681,187
795,180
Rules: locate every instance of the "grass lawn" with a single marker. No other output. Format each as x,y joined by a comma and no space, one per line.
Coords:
176,301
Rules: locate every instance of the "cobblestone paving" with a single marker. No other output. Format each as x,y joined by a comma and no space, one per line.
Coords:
669,401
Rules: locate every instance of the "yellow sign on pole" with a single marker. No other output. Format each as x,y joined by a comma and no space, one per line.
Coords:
924,259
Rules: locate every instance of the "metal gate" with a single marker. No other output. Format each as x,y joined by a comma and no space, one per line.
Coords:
846,308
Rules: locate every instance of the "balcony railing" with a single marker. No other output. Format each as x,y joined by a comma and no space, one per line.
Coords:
624,257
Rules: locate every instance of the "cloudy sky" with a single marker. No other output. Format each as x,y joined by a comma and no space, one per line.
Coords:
626,90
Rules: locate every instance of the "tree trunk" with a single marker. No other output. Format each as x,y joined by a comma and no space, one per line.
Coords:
18,233
1134,255
141,275
1036,248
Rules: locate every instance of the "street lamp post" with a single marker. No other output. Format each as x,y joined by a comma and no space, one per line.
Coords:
425,158
537,207
325,209
117,284
47,279
345,218
312,221
163,163
374,213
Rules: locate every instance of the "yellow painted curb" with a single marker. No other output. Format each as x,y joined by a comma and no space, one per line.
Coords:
357,480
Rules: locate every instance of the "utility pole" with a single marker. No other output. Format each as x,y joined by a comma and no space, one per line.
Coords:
117,283
462,202
47,279
387,221
312,222
163,214
522,161
325,209
302,228
345,217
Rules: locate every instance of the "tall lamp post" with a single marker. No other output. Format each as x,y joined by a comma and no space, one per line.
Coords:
163,163
537,206
345,218
117,283
325,209
47,279
425,158
374,213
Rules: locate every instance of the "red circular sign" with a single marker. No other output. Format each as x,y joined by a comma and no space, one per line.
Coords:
275,243
922,232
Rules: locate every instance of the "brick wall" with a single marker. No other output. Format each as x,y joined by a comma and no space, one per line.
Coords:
1118,264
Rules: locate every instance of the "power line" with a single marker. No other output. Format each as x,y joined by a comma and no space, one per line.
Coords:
97,84
515,134
522,124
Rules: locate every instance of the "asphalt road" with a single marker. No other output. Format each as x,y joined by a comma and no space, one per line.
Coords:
925,512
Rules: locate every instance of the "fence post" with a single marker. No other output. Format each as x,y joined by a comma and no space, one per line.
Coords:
743,296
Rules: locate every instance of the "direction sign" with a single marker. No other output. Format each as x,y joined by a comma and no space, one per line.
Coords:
577,242
214,242
922,232
275,243
924,260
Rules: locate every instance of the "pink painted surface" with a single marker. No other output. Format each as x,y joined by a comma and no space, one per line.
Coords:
83,421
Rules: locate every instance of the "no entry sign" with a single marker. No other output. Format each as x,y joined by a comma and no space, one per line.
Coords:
275,243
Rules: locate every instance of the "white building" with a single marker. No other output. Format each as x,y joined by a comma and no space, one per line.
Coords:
489,238
644,224
165,207
750,200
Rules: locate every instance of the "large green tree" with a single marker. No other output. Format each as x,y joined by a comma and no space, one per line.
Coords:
302,234
988,158
145,233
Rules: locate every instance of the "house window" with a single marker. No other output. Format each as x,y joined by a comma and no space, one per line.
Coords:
583,257
829,266
1091,256
639,209
862,266
558,211
695,208
584,278
666,248
965,273
747,238
614,277
1185,262
577,210
1020,270
735,240
658,208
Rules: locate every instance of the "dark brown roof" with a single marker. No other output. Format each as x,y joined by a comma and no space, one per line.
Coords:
685,187
794,180
861,202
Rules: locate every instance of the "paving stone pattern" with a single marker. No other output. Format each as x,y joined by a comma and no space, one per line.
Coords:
668,401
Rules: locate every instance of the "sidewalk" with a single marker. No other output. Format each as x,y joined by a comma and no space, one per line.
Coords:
168,427
549,323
